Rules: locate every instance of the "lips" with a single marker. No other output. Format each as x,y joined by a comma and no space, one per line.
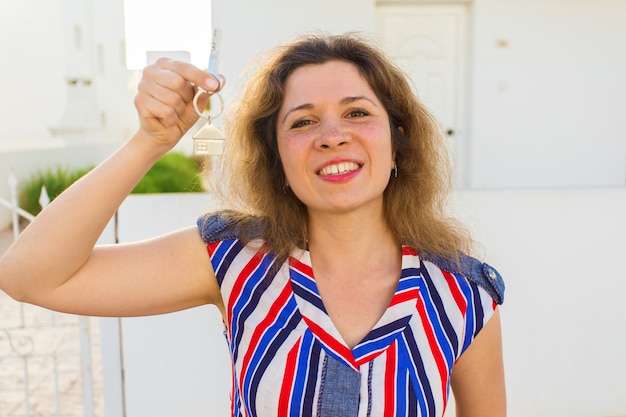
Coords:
338,169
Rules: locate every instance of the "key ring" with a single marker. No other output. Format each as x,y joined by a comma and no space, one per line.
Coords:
202,113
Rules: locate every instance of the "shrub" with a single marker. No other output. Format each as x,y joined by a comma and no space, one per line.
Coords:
55,180
172,173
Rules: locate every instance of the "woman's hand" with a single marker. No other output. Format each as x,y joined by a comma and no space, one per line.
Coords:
164,99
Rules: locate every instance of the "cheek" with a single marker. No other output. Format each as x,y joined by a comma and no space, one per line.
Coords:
290,152
380,140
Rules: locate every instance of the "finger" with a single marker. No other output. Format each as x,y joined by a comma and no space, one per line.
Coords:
222,81
151,110
155,75
191,73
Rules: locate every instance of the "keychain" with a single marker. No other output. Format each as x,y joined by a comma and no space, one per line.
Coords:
208,140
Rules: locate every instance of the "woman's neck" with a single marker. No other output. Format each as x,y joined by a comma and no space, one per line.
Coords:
351,239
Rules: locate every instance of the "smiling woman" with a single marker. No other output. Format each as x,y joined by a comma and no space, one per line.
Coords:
342,284
162,25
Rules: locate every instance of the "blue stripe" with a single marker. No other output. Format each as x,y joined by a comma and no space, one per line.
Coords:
469,317
447,338
311,383
223,257
479,314
412,359
255,285
236,398
409,279
302,372
402,389
380,338
273,339
412,400
302,279
311,297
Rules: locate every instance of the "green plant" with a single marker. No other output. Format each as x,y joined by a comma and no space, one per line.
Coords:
54,179
174,172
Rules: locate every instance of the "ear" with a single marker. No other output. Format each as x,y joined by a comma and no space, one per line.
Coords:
401,129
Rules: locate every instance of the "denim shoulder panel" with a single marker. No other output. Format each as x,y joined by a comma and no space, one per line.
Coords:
214,227
218,226
474,270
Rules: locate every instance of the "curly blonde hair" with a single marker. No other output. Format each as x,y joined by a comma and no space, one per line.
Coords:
252,180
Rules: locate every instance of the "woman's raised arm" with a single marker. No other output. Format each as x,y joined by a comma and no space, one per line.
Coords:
54,263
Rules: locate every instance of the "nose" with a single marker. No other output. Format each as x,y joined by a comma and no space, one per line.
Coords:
333,134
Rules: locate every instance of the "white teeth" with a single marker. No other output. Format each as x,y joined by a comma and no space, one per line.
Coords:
340,168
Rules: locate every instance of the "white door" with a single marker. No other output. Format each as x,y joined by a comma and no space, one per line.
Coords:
429,43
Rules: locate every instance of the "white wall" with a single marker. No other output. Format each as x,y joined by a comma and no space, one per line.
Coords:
547,110
174,364
32,75
561,254
251,27
39,54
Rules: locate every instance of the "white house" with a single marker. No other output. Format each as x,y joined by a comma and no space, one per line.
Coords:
530,91
65,96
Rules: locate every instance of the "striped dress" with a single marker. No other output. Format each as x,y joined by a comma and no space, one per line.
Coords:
288,359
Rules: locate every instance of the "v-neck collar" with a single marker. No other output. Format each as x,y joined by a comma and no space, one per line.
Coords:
392,323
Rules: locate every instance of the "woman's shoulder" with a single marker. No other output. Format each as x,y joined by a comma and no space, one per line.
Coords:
228,225
473,270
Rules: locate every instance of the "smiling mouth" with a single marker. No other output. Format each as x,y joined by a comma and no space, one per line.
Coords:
338,169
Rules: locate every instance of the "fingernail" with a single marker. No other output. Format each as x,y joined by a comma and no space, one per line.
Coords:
211,83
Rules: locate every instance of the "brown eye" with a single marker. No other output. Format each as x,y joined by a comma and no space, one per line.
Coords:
301,123
357,113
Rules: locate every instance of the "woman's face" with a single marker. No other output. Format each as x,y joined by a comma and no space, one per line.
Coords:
334,139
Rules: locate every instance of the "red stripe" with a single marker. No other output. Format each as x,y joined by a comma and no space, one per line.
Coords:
406,250
211,248
459,298
434,346
410,294
334,345
370,357
272,313
390,381
241,280
299,266
290,372
233,388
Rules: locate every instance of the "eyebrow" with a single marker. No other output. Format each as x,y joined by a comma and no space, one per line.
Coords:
343,101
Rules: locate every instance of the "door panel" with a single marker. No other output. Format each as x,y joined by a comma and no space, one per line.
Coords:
429,43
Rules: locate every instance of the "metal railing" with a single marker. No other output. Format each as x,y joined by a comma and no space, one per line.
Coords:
46,364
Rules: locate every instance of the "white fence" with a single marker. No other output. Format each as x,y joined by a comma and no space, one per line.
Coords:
46,361
173,364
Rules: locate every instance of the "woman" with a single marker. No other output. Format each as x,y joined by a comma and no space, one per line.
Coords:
343,288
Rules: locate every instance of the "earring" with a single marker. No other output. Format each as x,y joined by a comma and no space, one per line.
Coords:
285,186
395,170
